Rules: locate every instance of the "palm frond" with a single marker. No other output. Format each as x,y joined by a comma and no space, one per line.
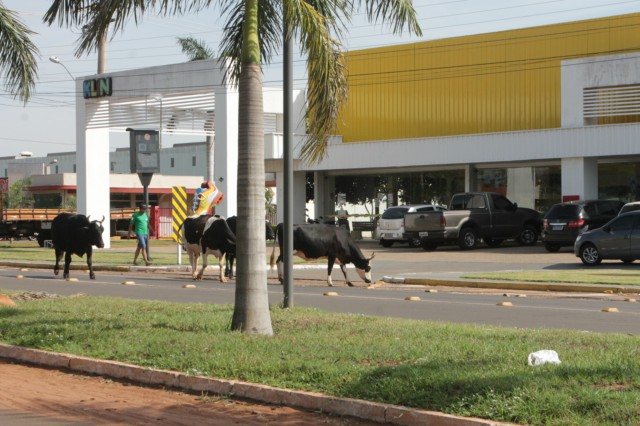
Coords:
17,55
399,13
196,50
327,84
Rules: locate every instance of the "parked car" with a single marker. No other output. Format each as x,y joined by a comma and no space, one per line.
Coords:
390,228
565,221
629,207
617,239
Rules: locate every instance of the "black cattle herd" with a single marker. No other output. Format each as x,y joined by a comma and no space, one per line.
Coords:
213,235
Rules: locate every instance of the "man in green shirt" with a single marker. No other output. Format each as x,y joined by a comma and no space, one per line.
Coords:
140,225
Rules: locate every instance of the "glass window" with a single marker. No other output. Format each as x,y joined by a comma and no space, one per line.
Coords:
193,160
623,223
476,202
501,203
173,162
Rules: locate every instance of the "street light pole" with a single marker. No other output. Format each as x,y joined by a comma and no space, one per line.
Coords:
57,60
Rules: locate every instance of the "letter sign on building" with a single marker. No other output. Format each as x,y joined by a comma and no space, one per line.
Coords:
96,88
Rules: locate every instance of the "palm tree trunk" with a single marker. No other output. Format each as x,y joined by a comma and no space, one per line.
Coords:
251,310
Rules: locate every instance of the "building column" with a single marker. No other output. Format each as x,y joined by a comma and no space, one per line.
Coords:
299,196
92,159
226,149
579,178
470,173
323,194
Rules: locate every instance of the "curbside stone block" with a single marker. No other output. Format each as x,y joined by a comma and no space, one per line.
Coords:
366,410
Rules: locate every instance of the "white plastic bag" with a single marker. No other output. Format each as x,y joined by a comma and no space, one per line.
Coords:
542,357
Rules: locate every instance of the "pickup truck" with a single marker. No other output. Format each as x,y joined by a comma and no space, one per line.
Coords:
472,216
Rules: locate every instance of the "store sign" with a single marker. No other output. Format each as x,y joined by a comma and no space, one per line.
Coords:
97,87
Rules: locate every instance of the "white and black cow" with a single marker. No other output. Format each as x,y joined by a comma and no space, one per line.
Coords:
205,235
325,241
75,234
231,221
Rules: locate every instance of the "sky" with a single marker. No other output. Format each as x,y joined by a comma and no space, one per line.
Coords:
47,123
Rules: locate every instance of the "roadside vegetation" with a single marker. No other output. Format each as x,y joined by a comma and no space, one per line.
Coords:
465,370
628,276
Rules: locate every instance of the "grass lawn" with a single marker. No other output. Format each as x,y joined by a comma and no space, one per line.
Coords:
595,276
460,369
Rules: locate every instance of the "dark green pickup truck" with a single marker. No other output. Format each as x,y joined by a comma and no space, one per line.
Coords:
473,216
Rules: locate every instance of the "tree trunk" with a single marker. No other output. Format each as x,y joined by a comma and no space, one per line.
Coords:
251,309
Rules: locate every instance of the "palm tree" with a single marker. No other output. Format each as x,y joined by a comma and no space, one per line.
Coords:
252,33
197,50
17,55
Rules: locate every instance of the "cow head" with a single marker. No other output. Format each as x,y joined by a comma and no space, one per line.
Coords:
95,233
365,272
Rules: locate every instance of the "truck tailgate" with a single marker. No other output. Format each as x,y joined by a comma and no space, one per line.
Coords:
423,222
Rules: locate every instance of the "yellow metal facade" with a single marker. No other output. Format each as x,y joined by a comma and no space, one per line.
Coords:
497,82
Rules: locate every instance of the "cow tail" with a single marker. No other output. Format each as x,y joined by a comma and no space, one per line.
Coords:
273,251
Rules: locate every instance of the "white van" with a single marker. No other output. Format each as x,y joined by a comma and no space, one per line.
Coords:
390,227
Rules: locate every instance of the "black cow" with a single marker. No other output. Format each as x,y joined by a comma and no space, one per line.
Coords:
269,235
208,234
75,234
320,241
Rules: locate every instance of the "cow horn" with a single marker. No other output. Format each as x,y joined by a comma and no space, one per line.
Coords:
89,218
102,219
373,254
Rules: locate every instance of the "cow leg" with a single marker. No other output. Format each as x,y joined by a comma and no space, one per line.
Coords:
67,262
204,265
59,254
228,270
193,261
280,266
90,263
221,259
330,261
343,268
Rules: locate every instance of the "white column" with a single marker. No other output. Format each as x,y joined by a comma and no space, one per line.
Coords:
579,177
226,149
92,159
299,197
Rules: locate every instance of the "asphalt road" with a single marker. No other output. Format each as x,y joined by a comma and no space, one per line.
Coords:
536,310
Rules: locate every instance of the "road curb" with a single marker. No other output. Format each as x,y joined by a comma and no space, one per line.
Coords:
511,285
366,410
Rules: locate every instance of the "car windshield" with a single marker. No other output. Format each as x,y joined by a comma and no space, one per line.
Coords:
563,211
395,213
630,208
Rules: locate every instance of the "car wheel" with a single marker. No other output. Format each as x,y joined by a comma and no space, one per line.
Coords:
552,248
414,242
468,239
386,243
590,255
493,242
627,260
528,236
428,246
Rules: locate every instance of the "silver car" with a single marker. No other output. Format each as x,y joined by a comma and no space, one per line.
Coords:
390,228
617,239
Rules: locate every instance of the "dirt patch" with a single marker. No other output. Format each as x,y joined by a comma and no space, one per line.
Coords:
38,295
57,396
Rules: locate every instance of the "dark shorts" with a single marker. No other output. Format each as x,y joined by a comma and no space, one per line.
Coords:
143,240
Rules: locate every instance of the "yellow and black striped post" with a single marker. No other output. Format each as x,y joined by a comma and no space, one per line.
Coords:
179,209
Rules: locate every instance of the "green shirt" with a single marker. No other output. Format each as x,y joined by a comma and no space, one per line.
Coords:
140,223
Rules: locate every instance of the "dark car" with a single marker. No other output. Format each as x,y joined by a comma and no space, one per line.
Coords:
617,239
565,221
